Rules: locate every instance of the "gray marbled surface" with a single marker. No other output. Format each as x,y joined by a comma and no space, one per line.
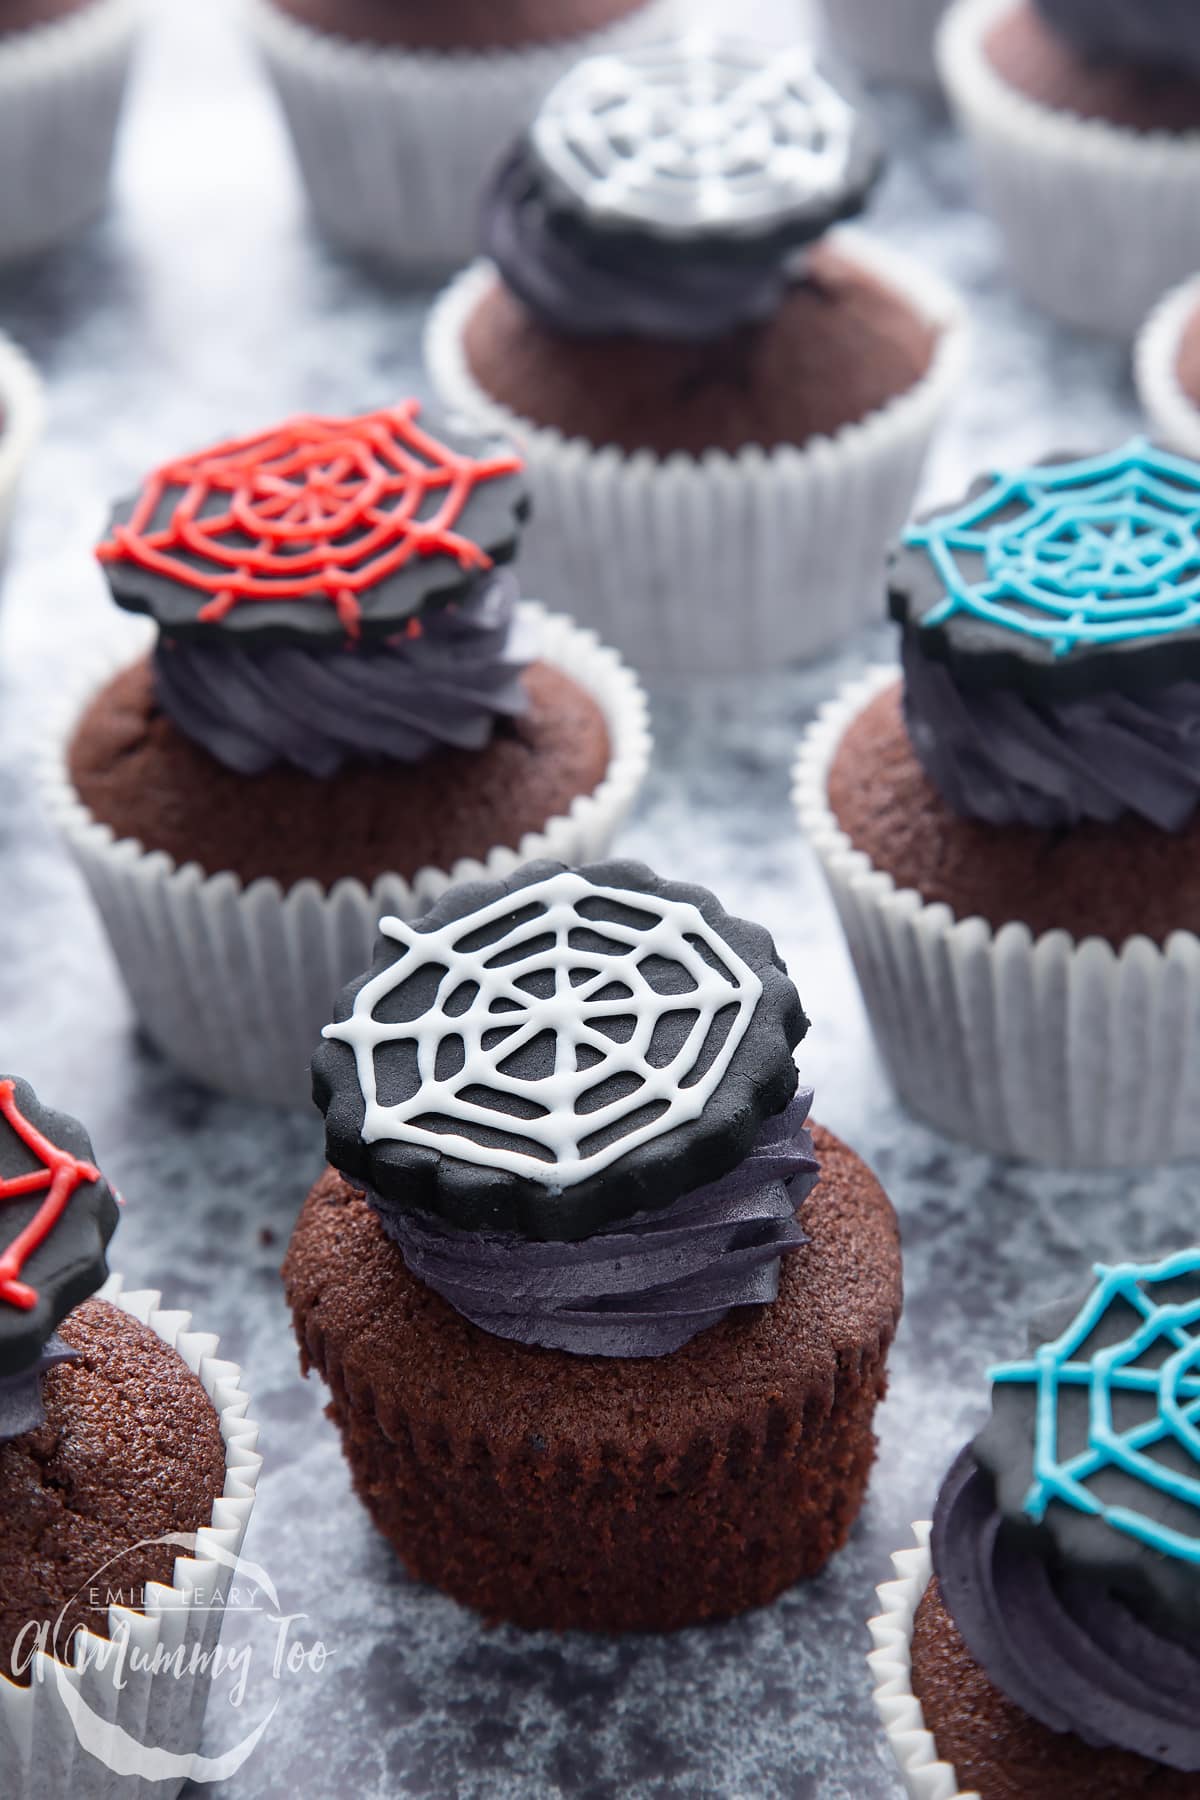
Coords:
203,306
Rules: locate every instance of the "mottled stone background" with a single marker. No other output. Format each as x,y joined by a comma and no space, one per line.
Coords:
204,306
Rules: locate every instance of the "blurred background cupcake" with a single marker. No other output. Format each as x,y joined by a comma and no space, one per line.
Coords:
1167,365
1151,35
398,109
605,1323
1046,1642
1010,830
885,40
1085,123
20,424
346,709
63,68
127,1467
724,406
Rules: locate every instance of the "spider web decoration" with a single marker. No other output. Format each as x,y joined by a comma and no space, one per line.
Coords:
1101,551
317,509
58,1177
552,1031
1158,1361
703,134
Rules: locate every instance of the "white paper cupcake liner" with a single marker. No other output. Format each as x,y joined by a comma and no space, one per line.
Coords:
61,87
395,147
1050,1049
926,1777
59,1735
1098,220
886,40
20,424
1174,416
718,564
233,983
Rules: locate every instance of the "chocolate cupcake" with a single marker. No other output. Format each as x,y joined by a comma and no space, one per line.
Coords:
20,425
604,1322
398,109
347,708
715,392
1046,1640
59,60
1010,831
1084,116
122,1441
886,40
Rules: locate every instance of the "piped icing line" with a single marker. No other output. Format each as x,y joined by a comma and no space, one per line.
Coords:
315,509
1175,1386
1101,551
59,1177
527,938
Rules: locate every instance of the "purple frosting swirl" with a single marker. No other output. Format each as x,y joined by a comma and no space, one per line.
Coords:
995,755
317,710
21,1408
584,284
644,1287
1163,34
1062,1647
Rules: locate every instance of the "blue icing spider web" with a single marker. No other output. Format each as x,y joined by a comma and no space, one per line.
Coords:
1173,1387
1101,551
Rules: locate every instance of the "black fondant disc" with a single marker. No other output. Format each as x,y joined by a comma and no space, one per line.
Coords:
317,530
555,1052
1074,576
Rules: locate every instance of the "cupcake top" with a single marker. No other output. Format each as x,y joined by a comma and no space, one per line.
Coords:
571,1100
1051,640
1158,34
1067,1536
59,1214
558,1051
330,590
665,191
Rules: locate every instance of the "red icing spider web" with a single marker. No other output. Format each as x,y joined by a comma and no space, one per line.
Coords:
60,1175
316,509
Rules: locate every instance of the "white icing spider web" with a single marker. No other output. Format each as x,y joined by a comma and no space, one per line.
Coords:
699,134
552,1031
